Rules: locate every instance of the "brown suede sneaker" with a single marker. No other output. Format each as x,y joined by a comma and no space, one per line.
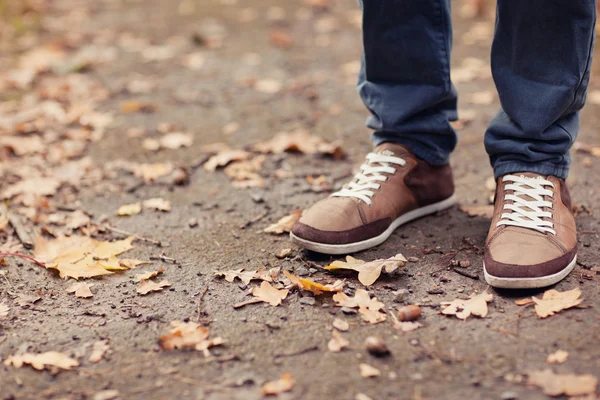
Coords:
532,242
392,188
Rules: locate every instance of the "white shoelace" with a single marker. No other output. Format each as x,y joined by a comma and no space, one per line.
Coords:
527,213
366,182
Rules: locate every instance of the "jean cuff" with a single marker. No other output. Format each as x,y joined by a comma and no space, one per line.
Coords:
559,171
421,151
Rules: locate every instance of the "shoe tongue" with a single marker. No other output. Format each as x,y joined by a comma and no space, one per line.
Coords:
531,175
394,149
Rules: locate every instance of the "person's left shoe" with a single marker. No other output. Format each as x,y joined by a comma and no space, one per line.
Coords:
532,242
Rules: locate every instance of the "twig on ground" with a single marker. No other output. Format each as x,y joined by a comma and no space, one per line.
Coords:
6,254
200,303
22,232
297,352
164,258
254,220
125,233
468,274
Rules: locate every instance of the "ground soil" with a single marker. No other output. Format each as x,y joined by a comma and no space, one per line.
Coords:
447,359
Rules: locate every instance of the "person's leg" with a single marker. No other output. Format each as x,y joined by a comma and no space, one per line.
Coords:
541,58
405,75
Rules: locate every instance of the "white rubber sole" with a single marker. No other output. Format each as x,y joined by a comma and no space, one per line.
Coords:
529,283
337,249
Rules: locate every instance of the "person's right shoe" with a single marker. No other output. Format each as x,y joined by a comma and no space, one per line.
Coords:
532,242
392,188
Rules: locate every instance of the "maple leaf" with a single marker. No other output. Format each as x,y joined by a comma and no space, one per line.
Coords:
314,287
558,357
369,308
81,289
183,335
283,384
554,301
367,371
42,360
245,276
337,342
148,274
128,210
146,287
569,384
158,204
81,256
475,305
224,157
285,224
369,272
3,310
100,347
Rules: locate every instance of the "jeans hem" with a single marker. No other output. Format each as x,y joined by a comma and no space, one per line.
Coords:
417,148
559,171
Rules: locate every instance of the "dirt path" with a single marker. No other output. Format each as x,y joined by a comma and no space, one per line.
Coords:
232,47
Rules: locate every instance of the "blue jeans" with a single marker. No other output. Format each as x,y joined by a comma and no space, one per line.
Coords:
541,58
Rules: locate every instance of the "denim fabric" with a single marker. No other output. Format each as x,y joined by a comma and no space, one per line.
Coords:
541,57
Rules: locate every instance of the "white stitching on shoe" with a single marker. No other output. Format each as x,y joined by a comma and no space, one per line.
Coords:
365,183
527,213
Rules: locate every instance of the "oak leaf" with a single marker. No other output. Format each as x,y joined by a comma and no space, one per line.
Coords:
146,287
283,384
314,287
128,210
337,342
285,224
81,289
369,308
269,294
42,360
569,384
476,305
369,272
183,335
98,351
245,276
554,301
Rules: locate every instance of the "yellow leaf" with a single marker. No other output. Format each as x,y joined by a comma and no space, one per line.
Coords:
554,301
40,361
475,305
130,263
284,384
128,210
148,274
312,286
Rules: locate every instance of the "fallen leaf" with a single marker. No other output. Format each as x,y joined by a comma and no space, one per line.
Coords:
586,148
314,287
486,211
176,140
81,289
158,204
146,287
285,224
337,342
151,144
144,276
245,276
558,357
46,186
300,141
128,210
106,395
340,325
132,106
100,347
406,326
245,174
369,272
554,301
269,294
3,310
483,98
151,172
281,38
81,256
268,86
475,305
524,302
569,384
183,335
369,308
367,371
42,360
130,263
284,384
224,157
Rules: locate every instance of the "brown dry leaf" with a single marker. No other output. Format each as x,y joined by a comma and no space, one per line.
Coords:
146,287
569,384
151,172
284,384
246,173
281,38
132,106
340,325
80,256
486,211
369,308
245,276
158,204
176,140
314,287
100,347
554,301
301,141
3,310
130,263
268,86
269,294
46,186
558,357
81,289
475,305
337,342
285,224
42,360
524,302
144,276
367,371
369,272
224,157
189,335
78,219
128,210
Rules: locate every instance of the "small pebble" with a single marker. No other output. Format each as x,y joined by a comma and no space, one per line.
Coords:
348,310
193,222
302,271
412,259
509,396
283,253
308,301
436,291
465,263
400,296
